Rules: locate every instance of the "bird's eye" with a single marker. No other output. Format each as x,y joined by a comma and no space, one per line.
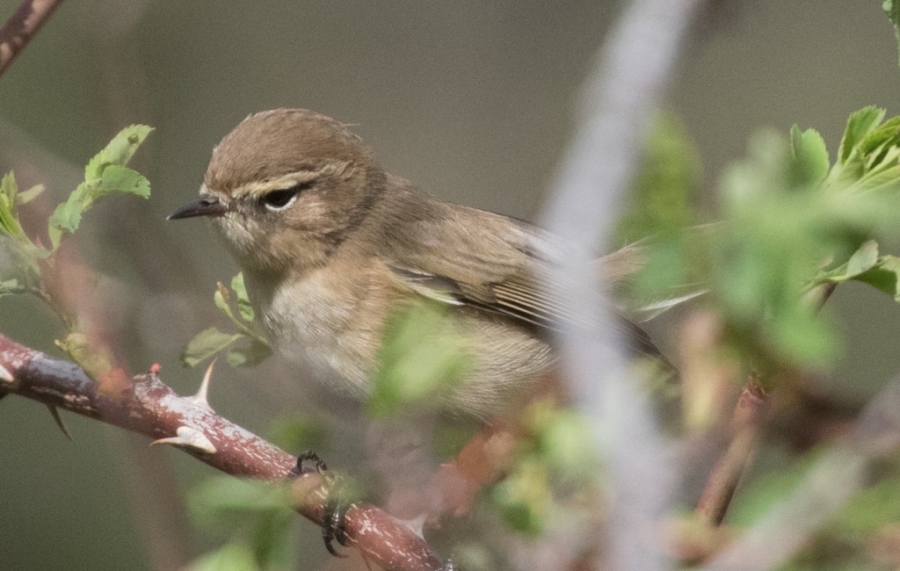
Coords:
281,199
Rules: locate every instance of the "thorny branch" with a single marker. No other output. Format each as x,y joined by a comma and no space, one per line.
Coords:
149,407
22,26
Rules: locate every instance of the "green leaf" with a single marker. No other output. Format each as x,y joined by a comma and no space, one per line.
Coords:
121,180
118,152
9,216
860,124
760,495
567,443
67,216
206,344
104,175
225,504
870,509
231,557
299,432
27,196
243,301
96,360
9,287
524,496
892,9
886,134
884,276
810,156
254,347
802,338
254,353
863,259
221,497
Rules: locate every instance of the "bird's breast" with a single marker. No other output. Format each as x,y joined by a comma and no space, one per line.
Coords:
328,323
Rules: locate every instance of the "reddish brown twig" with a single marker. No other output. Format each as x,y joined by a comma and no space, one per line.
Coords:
726,474
746,425
148,406
22,26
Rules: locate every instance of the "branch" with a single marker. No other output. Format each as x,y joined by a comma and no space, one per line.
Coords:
630,74
726,474
746,426
825,488
22,26
149,407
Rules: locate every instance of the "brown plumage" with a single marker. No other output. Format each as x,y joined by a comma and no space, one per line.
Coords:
329,244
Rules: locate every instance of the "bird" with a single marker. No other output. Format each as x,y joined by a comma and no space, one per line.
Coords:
331,246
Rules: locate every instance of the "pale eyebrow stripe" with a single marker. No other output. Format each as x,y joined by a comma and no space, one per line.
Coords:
257,189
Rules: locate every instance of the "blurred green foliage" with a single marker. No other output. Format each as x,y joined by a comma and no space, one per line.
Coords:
256,518
791,221
664,197
554,465
422,356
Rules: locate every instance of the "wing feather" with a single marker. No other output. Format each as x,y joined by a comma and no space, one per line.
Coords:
468,257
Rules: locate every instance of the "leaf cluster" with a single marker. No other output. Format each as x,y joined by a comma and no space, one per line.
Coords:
557,457
792,221
23,261
244,347
105,174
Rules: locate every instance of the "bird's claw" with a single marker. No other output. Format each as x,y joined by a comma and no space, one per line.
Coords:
334,520
309,462
334,525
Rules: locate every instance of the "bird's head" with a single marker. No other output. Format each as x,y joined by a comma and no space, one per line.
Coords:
285,188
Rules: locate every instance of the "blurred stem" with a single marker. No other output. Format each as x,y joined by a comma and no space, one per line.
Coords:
747,420
45,297
18,30
56,308
817,296
726,474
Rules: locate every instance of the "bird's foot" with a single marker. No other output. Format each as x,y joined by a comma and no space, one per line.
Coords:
334,520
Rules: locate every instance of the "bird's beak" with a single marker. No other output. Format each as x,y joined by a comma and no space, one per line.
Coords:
206,205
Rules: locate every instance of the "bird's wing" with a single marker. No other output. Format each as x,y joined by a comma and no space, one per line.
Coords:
468,257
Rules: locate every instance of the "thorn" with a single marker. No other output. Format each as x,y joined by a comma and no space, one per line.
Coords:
189,437
54,412
200,398
416,524
5,375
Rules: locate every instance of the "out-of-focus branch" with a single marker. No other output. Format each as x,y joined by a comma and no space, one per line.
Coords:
746,427
149,407
726,474
22,26
827,486
631,72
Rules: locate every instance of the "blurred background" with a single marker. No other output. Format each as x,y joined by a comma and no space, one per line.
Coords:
473,101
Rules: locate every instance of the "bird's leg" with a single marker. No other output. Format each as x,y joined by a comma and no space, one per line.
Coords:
334,523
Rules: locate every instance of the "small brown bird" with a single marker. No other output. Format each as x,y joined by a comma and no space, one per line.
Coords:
330,244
